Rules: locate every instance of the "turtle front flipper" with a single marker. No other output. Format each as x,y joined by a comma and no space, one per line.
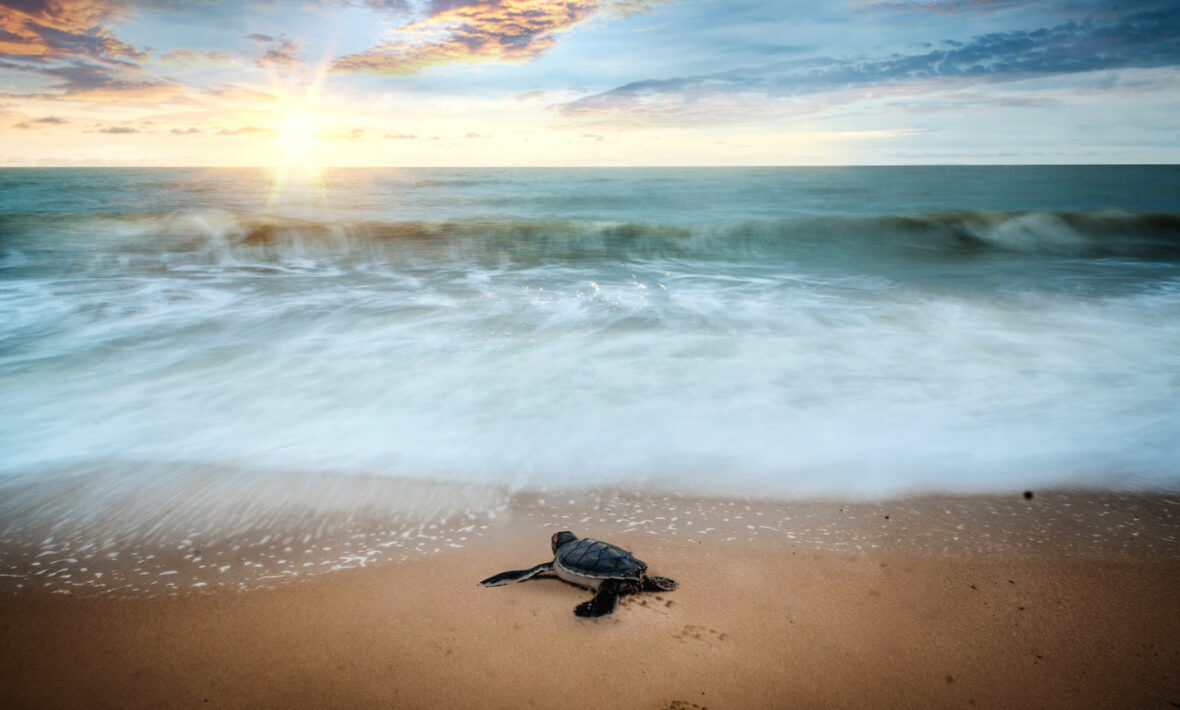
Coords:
605,601
660,584
517,575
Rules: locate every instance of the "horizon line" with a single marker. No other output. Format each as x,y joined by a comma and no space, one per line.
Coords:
66,166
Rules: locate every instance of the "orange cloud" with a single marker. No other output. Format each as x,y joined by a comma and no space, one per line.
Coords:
61,28
185,56
244,130
491,30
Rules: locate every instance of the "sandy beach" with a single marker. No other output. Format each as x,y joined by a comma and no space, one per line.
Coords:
1068,600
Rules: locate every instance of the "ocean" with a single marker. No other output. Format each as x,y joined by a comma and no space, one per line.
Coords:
769,332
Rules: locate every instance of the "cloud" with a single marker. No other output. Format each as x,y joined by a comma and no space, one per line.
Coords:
945,7
400,6
183,132
95,82
236,93
80,76
118,129
186,56
278,52
51,120
401,136
1146,39
244,130
48,29
1066,8
82,80
468,31
71,41
350,135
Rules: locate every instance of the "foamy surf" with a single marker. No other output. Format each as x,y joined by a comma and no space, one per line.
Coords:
797,333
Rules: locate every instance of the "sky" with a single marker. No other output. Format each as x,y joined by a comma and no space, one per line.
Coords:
588,82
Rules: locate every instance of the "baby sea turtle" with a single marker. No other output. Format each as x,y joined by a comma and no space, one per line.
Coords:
594,564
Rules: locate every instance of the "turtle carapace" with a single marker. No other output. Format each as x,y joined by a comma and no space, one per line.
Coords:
594,564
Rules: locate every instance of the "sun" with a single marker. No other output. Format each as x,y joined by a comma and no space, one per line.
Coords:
297,126
297,176
297,131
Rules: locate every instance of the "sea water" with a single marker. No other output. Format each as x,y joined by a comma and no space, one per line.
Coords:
786,332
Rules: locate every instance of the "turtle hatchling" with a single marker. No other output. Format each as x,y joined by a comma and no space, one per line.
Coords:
609,570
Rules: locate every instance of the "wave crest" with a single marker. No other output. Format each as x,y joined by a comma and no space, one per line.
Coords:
1088,234
227,239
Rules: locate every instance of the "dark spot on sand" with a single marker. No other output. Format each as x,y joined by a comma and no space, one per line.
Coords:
1011,581
886,517
950,679
975,587
1028,495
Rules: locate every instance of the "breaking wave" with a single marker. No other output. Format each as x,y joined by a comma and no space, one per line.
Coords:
226,239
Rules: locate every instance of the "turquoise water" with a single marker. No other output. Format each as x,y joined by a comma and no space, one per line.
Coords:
779,332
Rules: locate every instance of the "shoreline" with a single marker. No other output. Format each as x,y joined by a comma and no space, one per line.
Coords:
144,541
765,622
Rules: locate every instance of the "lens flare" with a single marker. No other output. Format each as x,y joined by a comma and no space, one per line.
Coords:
298,136
297,124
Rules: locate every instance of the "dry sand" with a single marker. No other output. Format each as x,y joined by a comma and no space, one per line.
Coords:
1079,613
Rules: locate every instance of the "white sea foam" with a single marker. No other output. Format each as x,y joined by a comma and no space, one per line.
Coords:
773,384
742,347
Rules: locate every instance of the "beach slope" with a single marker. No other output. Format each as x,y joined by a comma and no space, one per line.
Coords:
756,623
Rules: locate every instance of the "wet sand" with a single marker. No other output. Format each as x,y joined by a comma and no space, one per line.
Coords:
948,602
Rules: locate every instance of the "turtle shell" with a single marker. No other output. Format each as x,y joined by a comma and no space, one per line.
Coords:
595,558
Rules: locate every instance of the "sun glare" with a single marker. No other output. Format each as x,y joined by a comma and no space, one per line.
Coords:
297,174
297,137
297,127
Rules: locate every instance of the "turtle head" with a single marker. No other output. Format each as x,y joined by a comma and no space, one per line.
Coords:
562,538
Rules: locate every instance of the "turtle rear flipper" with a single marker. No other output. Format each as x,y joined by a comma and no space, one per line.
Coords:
517,575
605,601
660,584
